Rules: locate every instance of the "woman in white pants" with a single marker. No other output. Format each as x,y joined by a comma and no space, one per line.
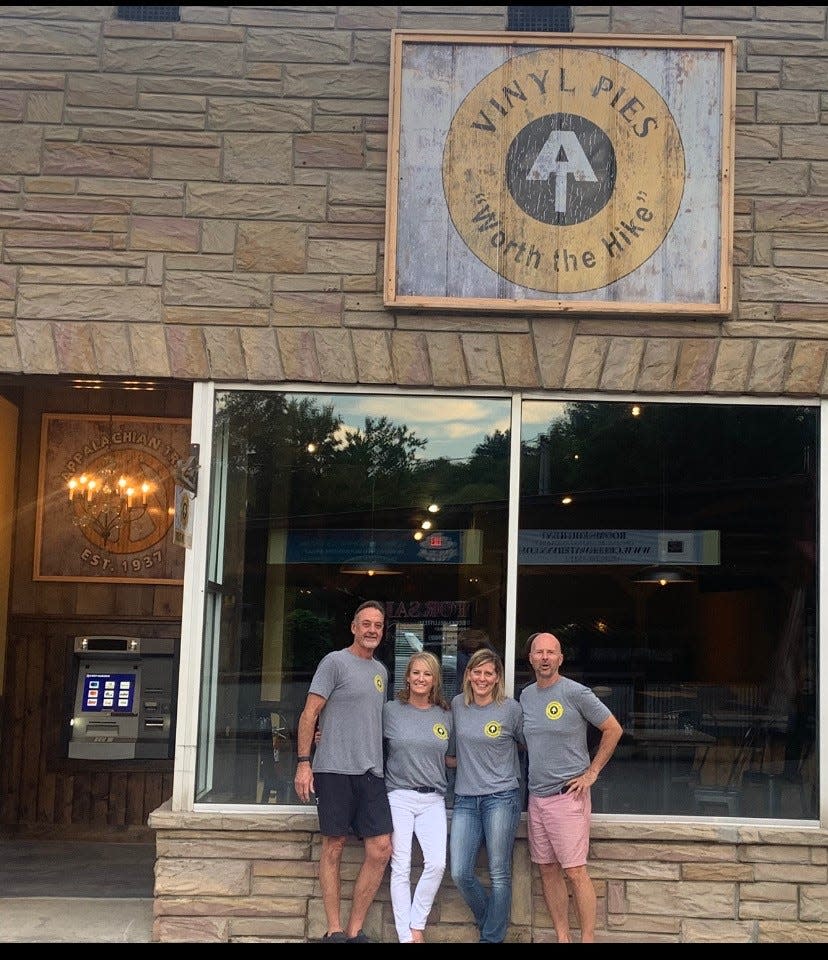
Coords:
416,727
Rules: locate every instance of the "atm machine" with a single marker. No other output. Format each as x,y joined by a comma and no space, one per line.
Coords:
124,699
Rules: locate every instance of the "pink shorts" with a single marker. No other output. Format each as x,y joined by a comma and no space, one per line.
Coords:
558,828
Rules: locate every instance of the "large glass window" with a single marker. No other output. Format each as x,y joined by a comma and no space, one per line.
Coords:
670,546
672,549
322,501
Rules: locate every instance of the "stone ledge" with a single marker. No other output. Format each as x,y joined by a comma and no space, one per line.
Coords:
164,818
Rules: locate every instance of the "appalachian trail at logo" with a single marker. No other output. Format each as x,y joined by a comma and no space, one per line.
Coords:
563,170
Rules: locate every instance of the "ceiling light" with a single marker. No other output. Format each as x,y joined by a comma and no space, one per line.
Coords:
369,567
663,576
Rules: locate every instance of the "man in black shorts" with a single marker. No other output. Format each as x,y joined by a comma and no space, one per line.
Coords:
346,697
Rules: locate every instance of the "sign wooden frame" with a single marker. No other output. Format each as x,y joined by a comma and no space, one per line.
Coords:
106,499
560,173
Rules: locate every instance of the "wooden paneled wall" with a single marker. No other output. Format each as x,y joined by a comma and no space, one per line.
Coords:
43,792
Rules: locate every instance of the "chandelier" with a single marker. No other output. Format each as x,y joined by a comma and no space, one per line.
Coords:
109,496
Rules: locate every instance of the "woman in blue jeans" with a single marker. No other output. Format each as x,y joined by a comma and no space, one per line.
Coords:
487,729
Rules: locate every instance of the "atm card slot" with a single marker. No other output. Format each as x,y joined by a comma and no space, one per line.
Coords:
154,723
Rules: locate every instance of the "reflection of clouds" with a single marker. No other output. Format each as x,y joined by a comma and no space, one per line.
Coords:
457,430
542,411
445,409
453,426
421,410
538,415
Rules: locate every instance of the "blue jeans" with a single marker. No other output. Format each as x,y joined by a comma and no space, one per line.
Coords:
491,820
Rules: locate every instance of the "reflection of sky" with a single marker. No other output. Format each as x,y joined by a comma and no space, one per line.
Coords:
537,415
453,426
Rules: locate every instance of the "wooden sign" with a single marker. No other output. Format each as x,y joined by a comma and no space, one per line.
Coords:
538,172
106,499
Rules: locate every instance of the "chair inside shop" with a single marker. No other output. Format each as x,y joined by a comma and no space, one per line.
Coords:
727,791
774,778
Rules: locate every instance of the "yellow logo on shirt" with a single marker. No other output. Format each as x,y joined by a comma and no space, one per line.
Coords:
554,710
440,731
378,683
492,729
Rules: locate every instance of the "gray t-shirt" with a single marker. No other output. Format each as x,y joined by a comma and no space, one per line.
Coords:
416,742
351,720
555,723
485,742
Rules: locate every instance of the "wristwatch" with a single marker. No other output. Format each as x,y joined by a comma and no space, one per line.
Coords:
303,759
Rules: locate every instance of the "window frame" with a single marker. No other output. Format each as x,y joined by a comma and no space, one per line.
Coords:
196,582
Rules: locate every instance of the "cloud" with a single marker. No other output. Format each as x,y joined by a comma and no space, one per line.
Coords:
453,426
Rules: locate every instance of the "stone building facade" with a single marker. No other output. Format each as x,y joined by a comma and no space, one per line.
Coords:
204,200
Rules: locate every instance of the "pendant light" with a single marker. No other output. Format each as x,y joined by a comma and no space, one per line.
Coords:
663,574
369,564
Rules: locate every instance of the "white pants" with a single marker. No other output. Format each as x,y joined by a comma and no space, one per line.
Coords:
422,815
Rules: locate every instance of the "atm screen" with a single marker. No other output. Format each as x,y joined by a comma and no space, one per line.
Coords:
113,692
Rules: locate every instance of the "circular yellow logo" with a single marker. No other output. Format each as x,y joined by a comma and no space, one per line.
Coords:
378,683
554,710
440,731
563,170
492,729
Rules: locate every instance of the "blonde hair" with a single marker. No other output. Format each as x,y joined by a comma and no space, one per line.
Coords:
477,659
435,695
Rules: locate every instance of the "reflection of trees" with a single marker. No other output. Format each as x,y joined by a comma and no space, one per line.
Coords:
382,449
485,476
378,463
309,637
747,472
379,466
268,454
593,444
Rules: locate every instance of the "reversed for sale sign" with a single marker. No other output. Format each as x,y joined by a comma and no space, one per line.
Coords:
578,173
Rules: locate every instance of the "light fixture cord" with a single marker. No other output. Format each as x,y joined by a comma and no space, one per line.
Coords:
663,493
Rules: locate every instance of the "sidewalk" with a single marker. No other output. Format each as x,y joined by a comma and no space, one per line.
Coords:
76,892
75,920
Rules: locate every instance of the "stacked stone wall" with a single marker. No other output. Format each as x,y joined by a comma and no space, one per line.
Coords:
206,200
227,878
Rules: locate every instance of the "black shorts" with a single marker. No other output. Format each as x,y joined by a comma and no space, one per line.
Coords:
352,804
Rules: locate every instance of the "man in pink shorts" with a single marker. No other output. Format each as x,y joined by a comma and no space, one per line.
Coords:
557,713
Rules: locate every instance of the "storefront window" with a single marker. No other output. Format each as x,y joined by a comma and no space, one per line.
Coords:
322,501
670,546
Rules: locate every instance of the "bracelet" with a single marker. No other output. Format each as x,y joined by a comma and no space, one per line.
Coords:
303,759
